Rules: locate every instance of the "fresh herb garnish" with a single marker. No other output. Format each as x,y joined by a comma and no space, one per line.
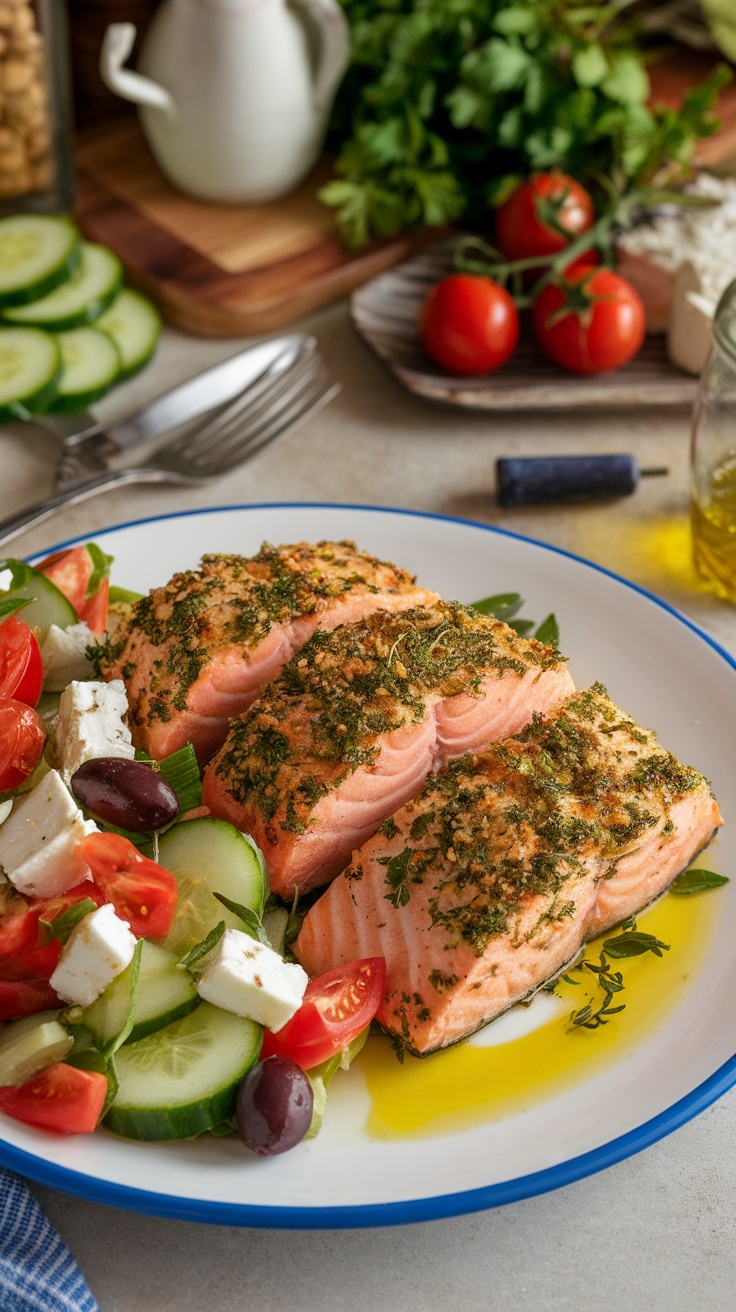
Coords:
697,881
251,921
204,946
62,926
506,606
631,942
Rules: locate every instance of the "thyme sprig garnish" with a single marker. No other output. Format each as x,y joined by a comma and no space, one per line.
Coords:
631,942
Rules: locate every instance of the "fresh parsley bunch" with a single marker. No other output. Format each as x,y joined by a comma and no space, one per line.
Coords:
448,103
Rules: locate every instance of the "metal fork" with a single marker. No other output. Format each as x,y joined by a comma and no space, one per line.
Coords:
235,432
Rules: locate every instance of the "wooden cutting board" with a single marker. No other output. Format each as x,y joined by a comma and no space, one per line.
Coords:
227,271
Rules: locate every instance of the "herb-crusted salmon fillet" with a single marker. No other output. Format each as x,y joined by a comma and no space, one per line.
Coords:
195,653
487,883
356,721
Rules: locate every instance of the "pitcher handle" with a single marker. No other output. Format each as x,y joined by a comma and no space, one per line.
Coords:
117,44
334,48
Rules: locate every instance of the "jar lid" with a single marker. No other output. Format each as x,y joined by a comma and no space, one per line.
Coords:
724,323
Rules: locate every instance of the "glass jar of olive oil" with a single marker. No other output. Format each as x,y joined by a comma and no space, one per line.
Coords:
714,457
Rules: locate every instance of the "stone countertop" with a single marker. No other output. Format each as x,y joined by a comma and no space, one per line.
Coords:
656,1231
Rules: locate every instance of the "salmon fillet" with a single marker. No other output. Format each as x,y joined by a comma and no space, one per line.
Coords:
490,881
356,721
197,652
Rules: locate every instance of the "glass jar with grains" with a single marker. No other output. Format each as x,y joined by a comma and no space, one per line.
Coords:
35,136
714,456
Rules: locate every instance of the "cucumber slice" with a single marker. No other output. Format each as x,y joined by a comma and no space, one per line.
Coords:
165,994
47,604
90,365
29,1045
83,297
30,371
134,325
38,252
209,856
184,1079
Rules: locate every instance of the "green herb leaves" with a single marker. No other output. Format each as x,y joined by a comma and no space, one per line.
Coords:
63,925
506,606
631,942
697,881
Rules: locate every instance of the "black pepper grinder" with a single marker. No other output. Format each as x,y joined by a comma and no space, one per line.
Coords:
532,480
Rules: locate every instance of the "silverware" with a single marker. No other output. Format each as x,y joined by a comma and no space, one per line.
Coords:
257,417
87,445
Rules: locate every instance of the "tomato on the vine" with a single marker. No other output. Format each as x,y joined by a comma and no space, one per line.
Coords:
335,1008
21,669
543,216
591,321
469,324
141,891
22,738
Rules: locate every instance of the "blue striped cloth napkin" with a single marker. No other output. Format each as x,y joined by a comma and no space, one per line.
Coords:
37,1271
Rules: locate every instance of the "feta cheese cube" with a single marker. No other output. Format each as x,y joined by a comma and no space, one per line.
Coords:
691,324
63,655
245,976
91,724
39,840
97,950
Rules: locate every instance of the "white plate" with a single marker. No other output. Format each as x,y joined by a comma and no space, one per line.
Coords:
663,670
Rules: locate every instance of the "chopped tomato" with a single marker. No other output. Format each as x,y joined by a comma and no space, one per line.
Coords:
18,932
39,956
25,997
81,574
21,670
335,1008
142,892
22,737
61,1098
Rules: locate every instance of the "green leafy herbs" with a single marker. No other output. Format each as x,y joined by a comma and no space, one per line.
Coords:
631,942
696,881
63,925
506,606
251,921
204,946
100,569
9,605
449,103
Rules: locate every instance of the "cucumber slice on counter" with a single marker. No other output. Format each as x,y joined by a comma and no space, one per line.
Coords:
165,994
30,372
38,252
209,856
47,604
90,365
134,325
30,1045
184,1079
93,286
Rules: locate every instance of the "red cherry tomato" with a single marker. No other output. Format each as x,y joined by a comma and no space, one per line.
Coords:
334,1010
21,670
22,737
18,933
142,892
72,571
469,324
61,1098
543,216
25,997
592,322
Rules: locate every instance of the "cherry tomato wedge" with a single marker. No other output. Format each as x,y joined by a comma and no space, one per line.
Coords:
74,572
21,670
469,324
61,1098
335,1008
593,321
18,933
543,216
22,737
142,892
25,997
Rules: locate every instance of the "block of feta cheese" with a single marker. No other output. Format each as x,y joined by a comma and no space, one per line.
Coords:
91,724
39,840
694,304
97,950
245,976
63,655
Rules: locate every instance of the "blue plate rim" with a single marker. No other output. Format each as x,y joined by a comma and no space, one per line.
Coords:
410,1210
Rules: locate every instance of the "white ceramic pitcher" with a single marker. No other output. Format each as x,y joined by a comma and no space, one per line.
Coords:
234,95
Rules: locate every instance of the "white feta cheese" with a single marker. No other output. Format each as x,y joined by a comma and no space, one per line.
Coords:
39,840
245,976
691,323
91,724
63,655
97,950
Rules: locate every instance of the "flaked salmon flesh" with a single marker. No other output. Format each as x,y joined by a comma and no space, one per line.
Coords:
355,723
488,882
195,653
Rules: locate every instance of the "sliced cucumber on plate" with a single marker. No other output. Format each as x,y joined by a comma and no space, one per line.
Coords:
30,371
209,856
134,325
90,365
184,1079
29,1045
92,287
165,994
38,252
47,604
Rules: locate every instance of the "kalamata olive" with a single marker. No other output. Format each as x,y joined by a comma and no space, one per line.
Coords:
128,794
274,1109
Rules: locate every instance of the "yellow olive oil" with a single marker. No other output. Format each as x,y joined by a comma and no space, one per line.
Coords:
714,531
467,1084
